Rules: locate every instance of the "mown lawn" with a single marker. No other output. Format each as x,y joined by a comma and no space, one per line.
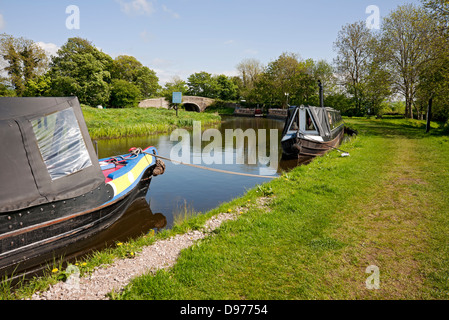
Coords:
312,233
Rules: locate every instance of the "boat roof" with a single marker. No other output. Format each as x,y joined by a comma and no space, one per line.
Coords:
47,152
320,115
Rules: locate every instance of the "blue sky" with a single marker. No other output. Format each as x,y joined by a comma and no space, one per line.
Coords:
180,37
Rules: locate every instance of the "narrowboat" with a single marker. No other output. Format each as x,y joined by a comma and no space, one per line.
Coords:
54,190
311,131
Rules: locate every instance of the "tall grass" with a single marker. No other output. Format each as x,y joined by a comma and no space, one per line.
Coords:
117,123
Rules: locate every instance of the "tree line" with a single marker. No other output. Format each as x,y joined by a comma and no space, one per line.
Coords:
79,69
401,68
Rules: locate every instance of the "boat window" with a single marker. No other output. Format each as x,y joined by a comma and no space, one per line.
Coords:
331,119
309,122
61,143
334,119
295,122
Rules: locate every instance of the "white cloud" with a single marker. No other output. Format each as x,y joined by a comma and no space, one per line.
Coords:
2,22
139,7
171,12
229,42
50,48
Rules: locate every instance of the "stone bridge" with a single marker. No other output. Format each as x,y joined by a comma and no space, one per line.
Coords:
191,103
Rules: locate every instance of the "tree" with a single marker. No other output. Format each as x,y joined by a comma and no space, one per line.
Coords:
324,71
352,46
40,86
407,36
81,69
125,67
5,89
147,82
291,80
249,71
226,88
175,85
376,87
439,10
202,84
283,74
124,94
24,59
434,78
130,69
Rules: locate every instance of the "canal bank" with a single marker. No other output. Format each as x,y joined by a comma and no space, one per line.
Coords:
132,122
325,228
309,233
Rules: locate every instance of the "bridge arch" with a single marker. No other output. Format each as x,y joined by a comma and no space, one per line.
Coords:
191,103
193,107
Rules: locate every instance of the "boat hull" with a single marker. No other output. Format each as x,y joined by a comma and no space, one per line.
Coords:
61,237
307,148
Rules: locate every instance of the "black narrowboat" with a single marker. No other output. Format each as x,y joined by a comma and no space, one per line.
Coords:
311,131
54,190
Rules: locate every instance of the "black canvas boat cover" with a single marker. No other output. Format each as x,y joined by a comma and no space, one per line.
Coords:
47,154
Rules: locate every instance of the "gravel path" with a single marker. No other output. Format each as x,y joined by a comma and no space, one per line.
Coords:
161,254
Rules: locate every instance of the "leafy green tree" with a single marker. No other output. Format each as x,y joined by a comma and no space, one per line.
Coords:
324,71
176,84
249,71
81,69
439,10
5,89
407,36
25,61
40,86
353,57
291,80
130,69
283,75
125,68
124,94
227,90
202,84
434,78
376,88
147,82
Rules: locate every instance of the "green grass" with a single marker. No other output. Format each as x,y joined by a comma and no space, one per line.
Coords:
311,233
117,123
320,226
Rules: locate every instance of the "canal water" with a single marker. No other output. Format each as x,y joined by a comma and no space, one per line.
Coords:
185,189
188,189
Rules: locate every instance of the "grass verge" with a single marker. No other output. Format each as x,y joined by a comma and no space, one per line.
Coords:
321,226
117,123
313,232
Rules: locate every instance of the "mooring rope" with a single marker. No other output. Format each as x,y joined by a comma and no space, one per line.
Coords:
207,168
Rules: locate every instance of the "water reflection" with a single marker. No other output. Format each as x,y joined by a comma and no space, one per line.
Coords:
137,220
201,190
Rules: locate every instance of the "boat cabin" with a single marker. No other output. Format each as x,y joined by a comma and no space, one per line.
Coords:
47,152
321,123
